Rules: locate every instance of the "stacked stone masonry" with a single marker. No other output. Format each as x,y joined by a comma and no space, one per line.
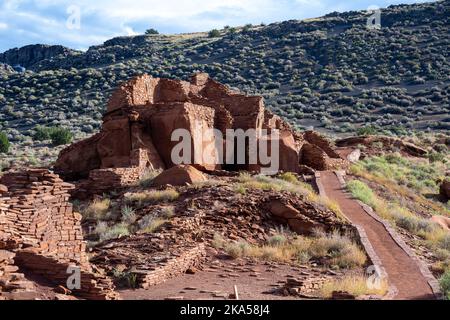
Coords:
38,226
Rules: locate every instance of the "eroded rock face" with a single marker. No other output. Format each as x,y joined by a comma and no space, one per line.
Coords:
179,176
143,113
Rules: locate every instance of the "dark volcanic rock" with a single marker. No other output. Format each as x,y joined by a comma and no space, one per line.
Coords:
29,55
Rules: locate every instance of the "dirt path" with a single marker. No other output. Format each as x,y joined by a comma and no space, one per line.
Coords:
402,270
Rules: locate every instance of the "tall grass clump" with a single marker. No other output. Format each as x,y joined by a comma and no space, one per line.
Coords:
97,209
148,197
333,250
355,285
445,284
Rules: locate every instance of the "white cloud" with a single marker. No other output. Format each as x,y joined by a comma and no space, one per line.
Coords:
3,26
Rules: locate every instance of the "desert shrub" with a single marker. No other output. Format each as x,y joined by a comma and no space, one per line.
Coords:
114,232
343,252
60,136
4,143
237,249
151,31
151,224
339,251
214,33
361,191
41,133
366,131
155,196
355,285
168,212
289,177
445,284
125,279
128,214
97,209
436,157
147,179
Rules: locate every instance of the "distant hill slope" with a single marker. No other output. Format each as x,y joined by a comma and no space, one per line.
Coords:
331,72
29,55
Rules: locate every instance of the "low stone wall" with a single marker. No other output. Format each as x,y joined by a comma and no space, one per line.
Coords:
106,180
13,284
174,267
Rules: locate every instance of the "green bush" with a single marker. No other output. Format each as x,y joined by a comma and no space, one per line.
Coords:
365,131
214,33
42,133
61,136
445,284
362,192
4,143
151,31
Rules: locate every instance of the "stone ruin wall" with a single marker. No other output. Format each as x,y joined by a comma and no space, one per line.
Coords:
143,113
40,232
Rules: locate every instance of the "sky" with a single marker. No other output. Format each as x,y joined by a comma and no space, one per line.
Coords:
79,24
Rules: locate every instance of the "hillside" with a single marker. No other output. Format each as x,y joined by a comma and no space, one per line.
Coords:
331,73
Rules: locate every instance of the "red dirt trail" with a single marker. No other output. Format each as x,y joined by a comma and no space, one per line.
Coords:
402,271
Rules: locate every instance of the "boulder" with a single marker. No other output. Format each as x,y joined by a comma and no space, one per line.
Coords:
297,222
179,176
444,222
77,160
319,141
3,189
314,157
445,189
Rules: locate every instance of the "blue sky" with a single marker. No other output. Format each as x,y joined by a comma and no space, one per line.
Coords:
25,22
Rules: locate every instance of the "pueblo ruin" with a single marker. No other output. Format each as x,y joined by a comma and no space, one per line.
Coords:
39,230
143,113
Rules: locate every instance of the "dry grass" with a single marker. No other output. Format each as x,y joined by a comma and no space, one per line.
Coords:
355,285
339,251
378,174
148,197
147,179
435,237
152,225
286,182
97,209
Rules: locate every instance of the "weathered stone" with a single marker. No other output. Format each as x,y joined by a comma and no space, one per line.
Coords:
444,222
445,189
178,176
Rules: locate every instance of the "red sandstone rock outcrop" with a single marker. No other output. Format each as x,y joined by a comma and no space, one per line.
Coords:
179,176
386,143
40,232
143,113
